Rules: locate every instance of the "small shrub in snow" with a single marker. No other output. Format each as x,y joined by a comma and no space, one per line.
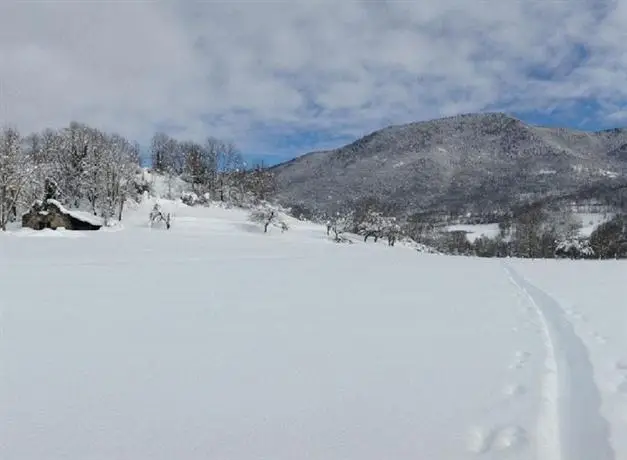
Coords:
189,198
192,199
267,216
158,215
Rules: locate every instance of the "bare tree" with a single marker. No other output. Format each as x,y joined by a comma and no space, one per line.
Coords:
338,224
260,182
529,235
160,149
267,215
15,171
117,170
375,224
199,167
167,158
229,165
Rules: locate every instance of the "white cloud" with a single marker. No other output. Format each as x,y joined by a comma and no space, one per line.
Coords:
242,70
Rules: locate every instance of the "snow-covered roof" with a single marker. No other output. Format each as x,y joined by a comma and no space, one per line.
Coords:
80,215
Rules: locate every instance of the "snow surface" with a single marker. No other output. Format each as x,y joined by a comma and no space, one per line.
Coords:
215,341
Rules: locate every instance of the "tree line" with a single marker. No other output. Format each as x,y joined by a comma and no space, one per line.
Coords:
77,165
214,170
535,230
85,168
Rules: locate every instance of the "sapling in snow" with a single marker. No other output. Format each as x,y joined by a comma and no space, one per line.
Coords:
268,215
339,224
158,215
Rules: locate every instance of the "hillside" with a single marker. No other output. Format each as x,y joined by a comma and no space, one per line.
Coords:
476,162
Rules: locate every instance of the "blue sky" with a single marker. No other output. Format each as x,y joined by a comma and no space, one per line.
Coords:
284,78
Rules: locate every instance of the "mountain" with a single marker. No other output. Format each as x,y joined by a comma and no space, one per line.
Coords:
466,163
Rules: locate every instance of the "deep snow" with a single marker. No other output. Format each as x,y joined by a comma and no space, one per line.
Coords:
213,340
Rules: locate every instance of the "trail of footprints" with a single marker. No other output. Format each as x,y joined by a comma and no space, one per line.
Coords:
578,317
520,360
621,364
502,437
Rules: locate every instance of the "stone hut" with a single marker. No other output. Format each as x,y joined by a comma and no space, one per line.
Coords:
51,214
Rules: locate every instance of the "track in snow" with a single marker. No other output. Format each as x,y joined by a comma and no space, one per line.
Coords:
571,426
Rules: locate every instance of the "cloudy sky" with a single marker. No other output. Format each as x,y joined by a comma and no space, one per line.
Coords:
284,77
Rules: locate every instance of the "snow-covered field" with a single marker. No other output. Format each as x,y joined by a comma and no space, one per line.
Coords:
475,231
589,222
215,341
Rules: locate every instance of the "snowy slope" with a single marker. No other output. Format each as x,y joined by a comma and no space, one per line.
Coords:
213,340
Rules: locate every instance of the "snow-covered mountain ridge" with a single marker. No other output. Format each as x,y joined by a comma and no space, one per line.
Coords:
470,163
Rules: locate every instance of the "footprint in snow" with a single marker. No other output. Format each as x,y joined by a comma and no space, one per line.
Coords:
482,440
479,439
601,339
510,437
578,316
514,390
520,359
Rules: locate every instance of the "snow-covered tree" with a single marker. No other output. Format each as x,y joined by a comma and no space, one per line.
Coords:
229,179
16,170
118,169
392,232
340,223
574,248
199,165
268,215
72,161
158,215
375,224
160,151
189,198
529,225
260,183
167,158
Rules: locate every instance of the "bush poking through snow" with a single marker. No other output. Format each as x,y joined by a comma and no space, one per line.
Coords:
267,216
158,215
189,198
